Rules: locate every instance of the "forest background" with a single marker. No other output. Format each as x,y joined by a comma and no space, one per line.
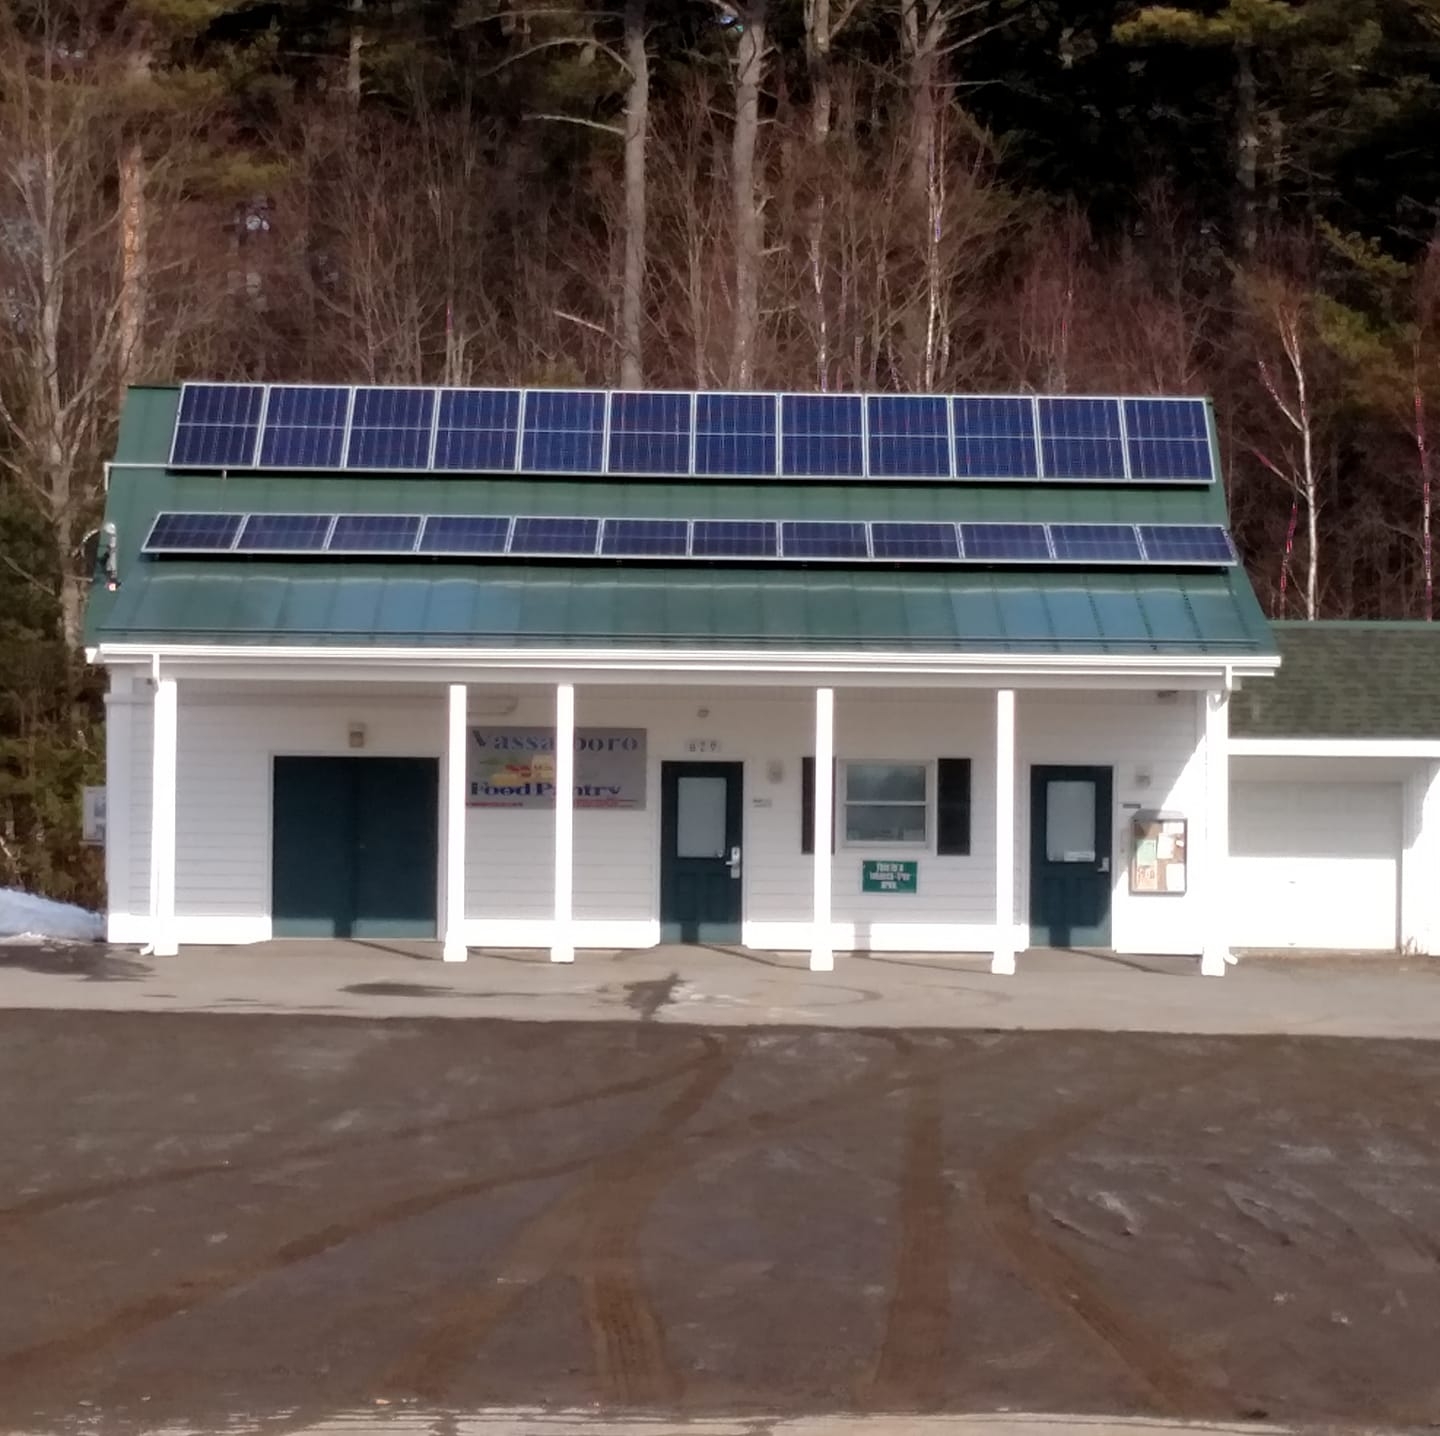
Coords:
1237,198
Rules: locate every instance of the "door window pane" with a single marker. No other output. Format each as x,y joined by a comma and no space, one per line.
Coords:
700,818
1070,821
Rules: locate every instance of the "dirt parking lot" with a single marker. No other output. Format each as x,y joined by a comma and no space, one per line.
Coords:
208,1219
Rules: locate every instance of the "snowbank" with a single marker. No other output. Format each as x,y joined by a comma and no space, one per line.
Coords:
25,915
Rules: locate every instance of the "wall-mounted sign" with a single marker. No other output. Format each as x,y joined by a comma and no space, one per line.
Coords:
93,818
1158,846
884,875
515,768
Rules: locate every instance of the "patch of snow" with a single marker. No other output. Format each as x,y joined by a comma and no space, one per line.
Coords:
31,918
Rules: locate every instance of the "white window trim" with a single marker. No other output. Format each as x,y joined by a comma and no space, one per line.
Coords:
925,845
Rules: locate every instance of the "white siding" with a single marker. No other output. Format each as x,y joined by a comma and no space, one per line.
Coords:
229,738
1315,864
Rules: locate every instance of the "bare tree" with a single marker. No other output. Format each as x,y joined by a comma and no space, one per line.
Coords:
749,20
637,129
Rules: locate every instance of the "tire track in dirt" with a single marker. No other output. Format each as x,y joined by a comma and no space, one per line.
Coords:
44,1203
632,1347
1163,1379
41,1358
909,1371
599,1250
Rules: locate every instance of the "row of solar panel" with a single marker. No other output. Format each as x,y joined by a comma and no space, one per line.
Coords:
535,536
927,437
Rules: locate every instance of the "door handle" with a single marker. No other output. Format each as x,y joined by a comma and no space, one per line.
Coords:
1104,865
733,862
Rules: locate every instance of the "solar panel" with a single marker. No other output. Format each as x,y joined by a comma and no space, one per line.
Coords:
460,534
994,437
823,539
1187,543
906,540
734,538
564,431
735,434
1095,543
390,429
1168,440
1080,439
216,426
645,538
649,433
304,427
193,533
477,429
909,436
553,537
1023,543
374,533
284,533
822,436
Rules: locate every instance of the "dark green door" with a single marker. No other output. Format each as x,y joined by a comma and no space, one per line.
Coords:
1070,844
354,847
700,851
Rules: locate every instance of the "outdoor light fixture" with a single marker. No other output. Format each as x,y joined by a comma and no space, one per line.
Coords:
357,735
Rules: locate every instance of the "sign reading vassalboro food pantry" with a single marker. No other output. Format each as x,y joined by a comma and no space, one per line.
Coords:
515,768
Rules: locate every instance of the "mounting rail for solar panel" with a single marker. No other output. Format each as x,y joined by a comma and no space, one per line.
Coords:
1050,439
954,544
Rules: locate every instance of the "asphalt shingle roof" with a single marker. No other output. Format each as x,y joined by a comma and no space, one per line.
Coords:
1346,680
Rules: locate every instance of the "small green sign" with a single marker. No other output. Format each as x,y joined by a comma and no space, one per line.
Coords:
881,875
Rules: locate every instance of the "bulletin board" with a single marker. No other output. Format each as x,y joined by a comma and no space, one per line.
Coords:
1159,843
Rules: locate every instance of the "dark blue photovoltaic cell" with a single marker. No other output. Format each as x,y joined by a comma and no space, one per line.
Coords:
911,540
390,429
374,533
1168,440
735,538
1187,543
478,430
464,534
1080,439
284,533
564,431
994,437
1099,543
217,425
645,538
821,436
193,533
735,434
649,433
541,537
823,539
304,428
1024,543
909,436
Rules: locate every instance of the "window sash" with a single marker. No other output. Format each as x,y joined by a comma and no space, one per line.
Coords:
901,808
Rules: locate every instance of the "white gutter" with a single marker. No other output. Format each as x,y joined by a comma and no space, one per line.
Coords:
1335,747
1152,668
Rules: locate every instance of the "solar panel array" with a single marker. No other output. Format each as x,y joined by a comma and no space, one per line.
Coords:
654,434
794,540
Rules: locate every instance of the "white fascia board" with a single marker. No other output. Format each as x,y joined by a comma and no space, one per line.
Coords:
541,664
1335,747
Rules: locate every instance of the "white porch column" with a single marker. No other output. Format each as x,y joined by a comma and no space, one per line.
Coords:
454,782
822,949
164,740
1002,960
1214,894
562,940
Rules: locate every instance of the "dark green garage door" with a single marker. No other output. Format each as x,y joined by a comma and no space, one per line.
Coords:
354,847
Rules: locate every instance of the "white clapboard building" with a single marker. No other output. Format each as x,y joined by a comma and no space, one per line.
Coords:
593,670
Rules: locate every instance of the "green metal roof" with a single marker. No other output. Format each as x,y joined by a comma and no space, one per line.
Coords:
1347,680
448,603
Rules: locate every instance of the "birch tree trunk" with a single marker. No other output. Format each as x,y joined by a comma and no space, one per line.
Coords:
637,125
745,199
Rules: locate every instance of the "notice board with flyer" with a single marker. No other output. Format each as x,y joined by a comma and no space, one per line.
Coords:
1158,846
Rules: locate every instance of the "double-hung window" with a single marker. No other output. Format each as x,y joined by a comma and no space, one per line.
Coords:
886,803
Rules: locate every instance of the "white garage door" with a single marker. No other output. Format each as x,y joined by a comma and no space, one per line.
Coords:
1315,864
